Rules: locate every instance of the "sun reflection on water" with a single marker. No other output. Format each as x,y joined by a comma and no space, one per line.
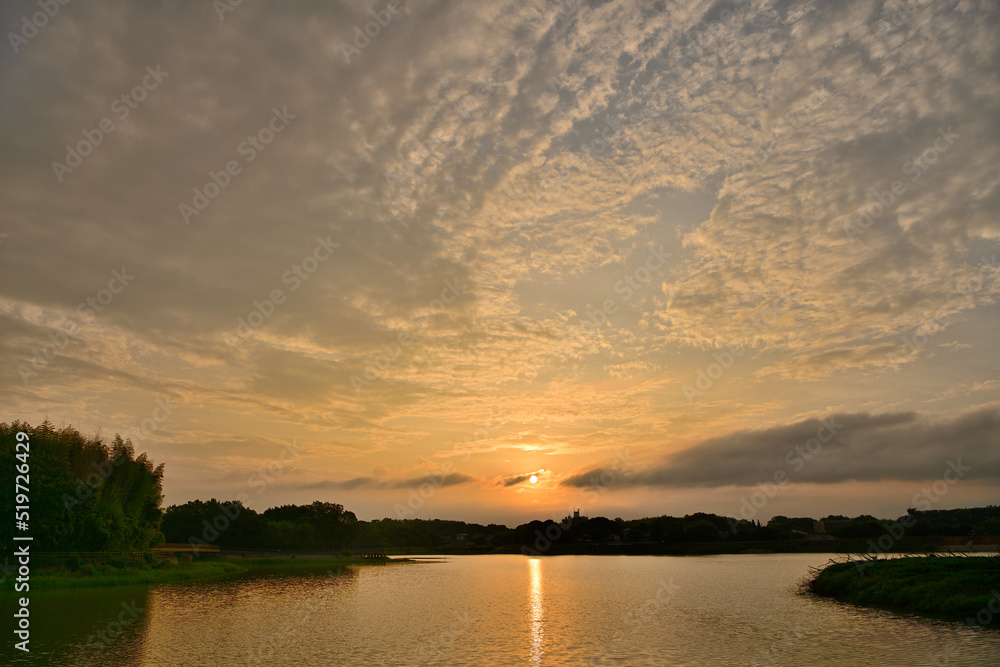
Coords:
537,630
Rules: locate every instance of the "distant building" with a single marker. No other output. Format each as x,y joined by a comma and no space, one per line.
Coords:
829,525
570,521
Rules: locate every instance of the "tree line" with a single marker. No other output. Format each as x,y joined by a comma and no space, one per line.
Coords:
319,526
85,495
82,495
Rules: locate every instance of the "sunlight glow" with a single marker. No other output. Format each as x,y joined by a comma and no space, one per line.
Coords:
537,631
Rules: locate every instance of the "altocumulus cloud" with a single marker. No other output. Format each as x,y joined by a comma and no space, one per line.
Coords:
864,447
537,151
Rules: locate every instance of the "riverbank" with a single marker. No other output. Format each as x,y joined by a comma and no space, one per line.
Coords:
135,573
848,545
950,587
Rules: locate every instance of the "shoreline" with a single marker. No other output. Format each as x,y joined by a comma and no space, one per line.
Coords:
208,569
953,588
858,546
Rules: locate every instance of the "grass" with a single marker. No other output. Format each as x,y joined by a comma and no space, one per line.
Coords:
954,588
303,565
108,575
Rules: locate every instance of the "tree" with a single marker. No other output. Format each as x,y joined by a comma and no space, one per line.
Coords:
599,529
989,526
701,531
85,496
226,523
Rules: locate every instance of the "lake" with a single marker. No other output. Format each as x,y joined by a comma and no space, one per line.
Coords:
496,610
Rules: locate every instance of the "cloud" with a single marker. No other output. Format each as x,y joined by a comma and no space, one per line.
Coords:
535,152
514,480
838,448
438,480
548,174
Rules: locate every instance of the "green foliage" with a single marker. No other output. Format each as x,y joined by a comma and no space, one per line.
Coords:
85,496
862,526
959,522
404,533
106,575
226,523
951,587
783,523
706,527
597,529
44,560
990,526
665,529
320,526
701,530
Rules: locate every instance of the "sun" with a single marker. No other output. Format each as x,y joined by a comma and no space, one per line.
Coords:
533,479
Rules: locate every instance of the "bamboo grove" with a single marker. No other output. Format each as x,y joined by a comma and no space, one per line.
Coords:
84,495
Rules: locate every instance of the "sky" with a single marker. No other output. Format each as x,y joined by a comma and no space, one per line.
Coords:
736,257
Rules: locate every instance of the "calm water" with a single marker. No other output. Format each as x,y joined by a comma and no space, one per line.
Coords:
497,610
